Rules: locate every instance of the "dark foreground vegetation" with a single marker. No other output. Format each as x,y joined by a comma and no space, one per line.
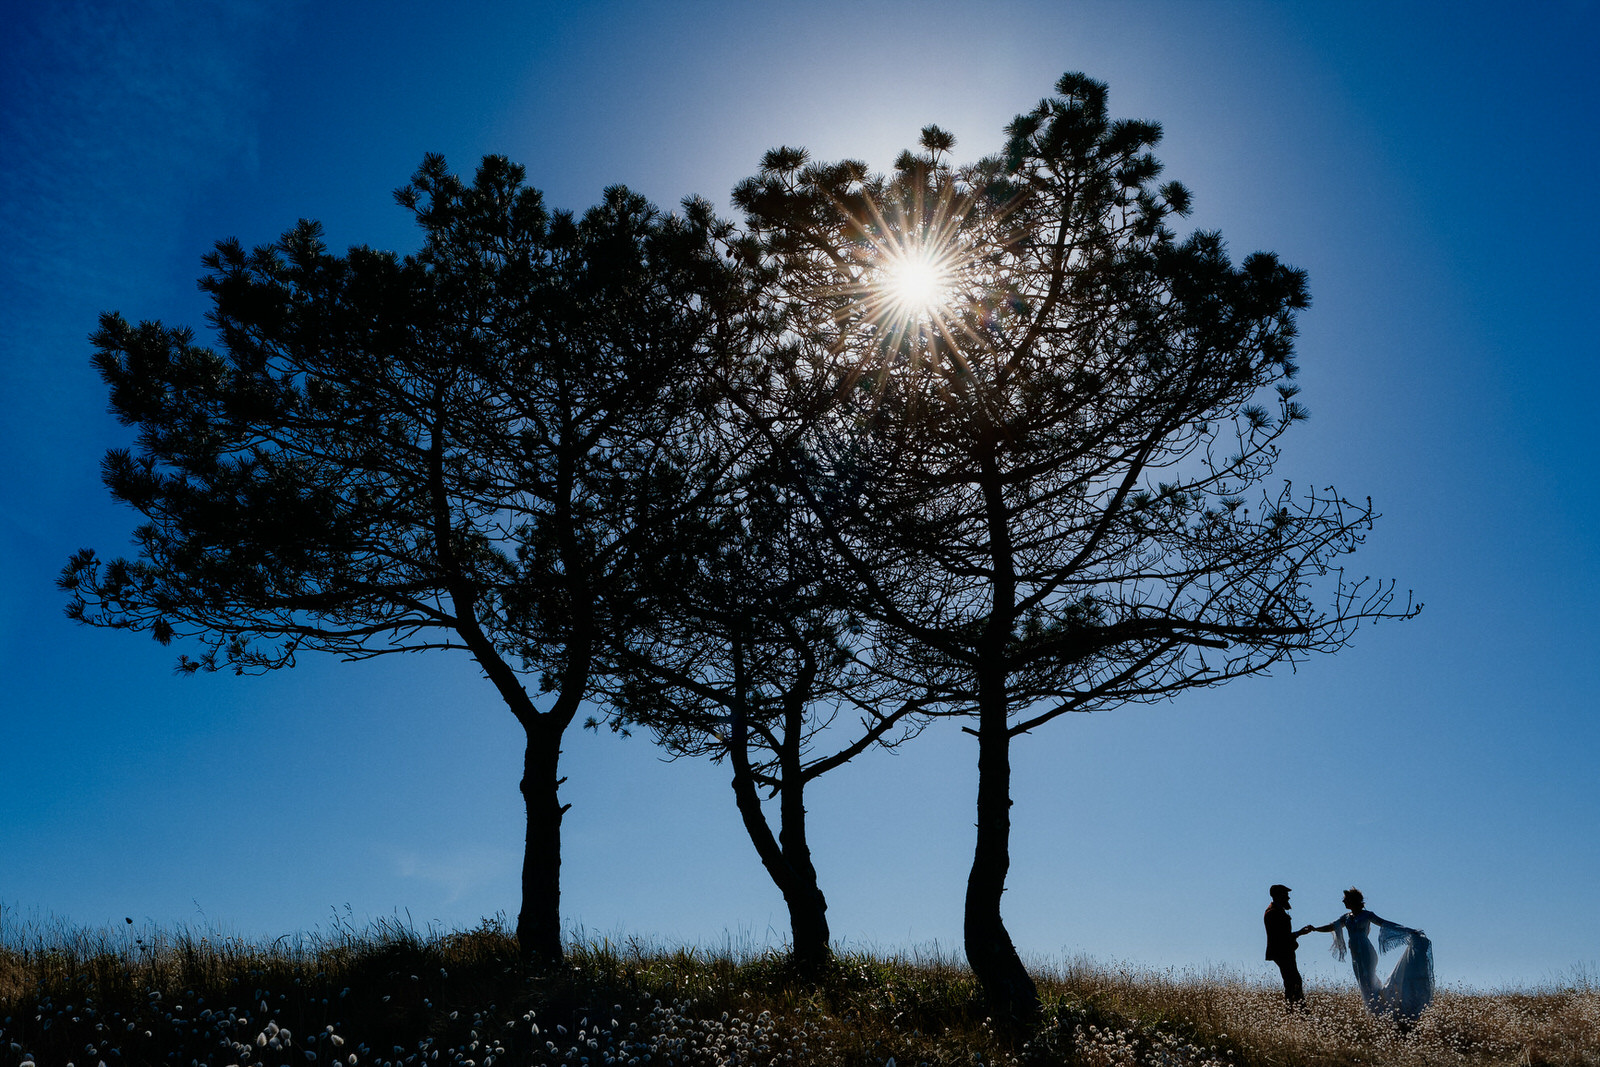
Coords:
388,995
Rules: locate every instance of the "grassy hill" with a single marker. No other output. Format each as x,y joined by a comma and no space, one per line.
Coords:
388,995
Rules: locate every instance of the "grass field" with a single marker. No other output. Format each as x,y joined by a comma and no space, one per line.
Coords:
390,995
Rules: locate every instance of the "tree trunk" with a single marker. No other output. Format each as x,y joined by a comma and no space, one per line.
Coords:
789,865
1011,995
539,922
808,909
789,862
1013,998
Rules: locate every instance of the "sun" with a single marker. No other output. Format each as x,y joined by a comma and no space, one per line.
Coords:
915,282
914,271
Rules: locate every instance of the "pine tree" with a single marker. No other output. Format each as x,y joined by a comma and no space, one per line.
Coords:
1031,421
459,450
751,654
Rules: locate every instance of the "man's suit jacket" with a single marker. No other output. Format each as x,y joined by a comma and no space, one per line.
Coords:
1280,933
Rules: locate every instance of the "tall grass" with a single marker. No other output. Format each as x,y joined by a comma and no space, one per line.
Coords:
387,994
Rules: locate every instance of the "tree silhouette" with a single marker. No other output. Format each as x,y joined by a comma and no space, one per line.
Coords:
464,449
1030,420
751,652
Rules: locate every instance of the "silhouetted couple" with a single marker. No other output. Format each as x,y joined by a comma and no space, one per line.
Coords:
1410,986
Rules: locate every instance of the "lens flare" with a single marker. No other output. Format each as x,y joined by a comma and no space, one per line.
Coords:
916,283
914,274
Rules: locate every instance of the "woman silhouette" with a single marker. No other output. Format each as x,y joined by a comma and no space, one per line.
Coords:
1410,985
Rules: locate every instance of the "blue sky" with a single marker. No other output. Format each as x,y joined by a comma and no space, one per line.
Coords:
1431,166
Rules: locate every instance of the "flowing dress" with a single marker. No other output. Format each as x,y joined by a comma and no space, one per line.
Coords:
1410,985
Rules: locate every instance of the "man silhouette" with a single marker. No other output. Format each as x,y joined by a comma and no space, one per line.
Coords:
1282,941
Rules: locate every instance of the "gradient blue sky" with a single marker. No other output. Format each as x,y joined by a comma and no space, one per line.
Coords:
1431,165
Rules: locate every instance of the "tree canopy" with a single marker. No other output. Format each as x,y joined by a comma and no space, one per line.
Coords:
460,449
1039,427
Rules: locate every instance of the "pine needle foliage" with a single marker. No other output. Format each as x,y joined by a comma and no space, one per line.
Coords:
459,450
1031,421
